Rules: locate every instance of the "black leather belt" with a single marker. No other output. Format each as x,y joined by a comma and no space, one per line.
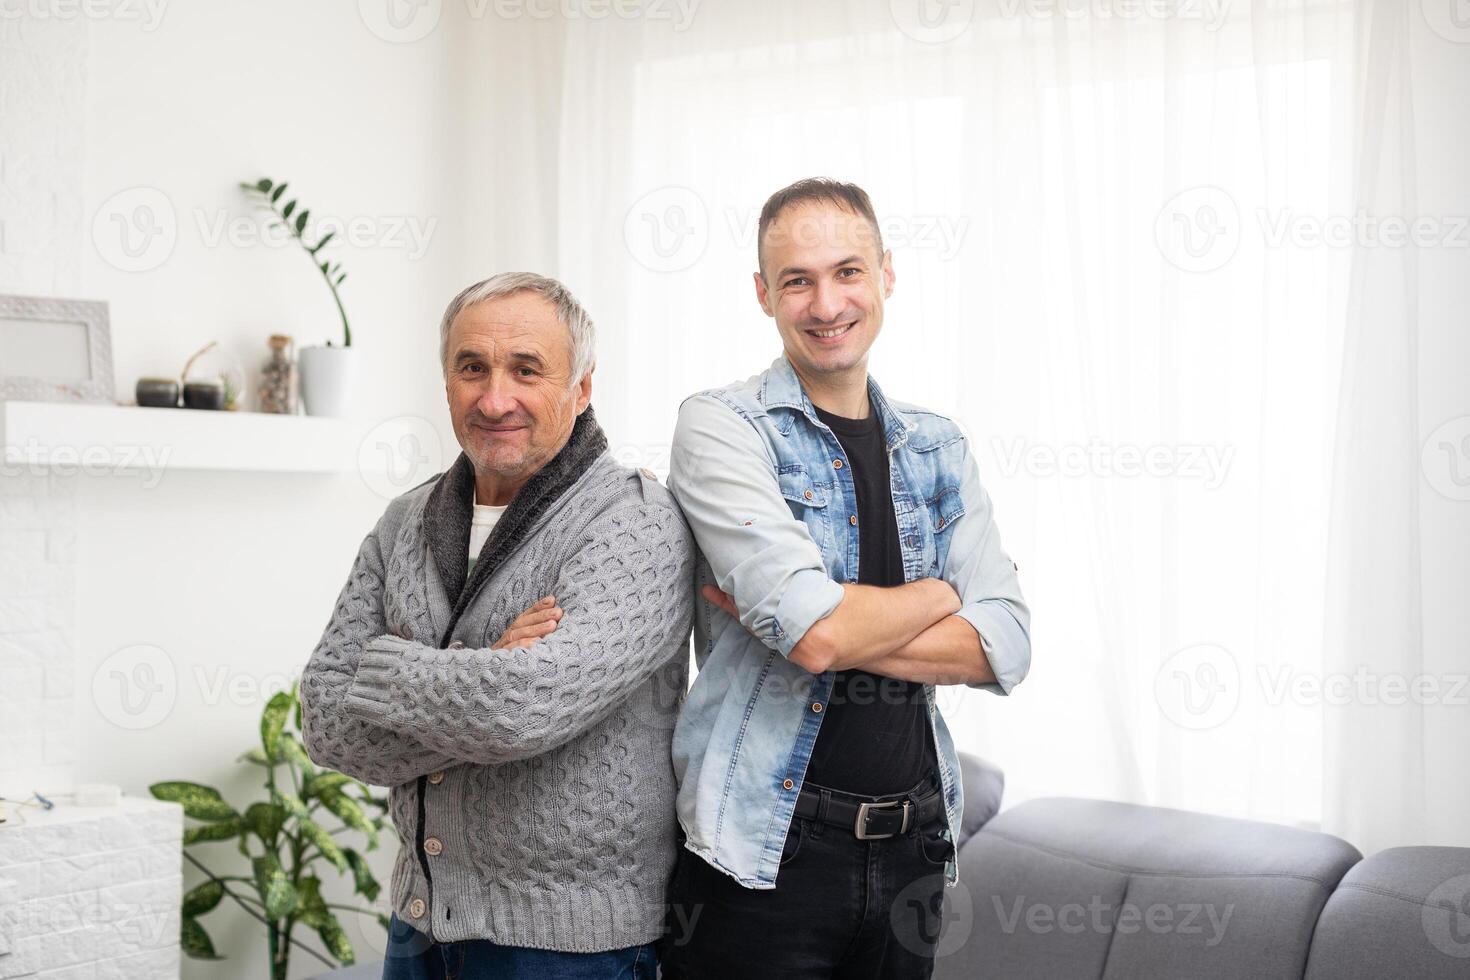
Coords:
872,818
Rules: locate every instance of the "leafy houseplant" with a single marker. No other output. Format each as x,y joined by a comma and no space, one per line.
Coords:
326,372
284,841
295,221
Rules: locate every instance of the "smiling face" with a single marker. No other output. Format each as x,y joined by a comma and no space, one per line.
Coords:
824,279
511,394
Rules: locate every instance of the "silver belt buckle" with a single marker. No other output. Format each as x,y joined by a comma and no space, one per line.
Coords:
861,823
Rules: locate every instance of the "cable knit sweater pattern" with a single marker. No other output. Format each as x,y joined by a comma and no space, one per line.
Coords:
532,788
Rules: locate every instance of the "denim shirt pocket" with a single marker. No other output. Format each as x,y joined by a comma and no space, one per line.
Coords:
807,500
945,508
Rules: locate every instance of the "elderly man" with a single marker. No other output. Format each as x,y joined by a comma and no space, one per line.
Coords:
508,654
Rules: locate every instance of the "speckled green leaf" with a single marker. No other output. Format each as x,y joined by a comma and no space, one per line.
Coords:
318,835
195,941
202,898
325,782
350,813
274,887
336,941
211,831
311,908
363,881
273,721
291,750
266,820
199,802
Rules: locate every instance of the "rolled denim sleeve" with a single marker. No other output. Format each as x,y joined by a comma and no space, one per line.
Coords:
723,479
985,578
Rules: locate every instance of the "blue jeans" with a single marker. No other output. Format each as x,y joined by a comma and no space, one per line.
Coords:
413,956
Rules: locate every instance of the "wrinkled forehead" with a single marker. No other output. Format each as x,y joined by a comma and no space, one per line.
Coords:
500,325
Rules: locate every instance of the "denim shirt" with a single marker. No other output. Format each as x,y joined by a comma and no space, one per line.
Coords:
767,491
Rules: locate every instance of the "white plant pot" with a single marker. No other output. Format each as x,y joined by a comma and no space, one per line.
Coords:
326,380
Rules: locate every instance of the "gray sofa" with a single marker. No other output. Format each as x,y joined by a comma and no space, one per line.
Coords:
1072,889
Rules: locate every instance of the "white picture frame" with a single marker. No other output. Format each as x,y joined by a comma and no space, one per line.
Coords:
55,350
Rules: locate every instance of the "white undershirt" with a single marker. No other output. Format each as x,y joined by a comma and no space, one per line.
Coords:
482,523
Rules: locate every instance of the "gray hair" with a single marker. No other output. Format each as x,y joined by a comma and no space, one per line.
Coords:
568,311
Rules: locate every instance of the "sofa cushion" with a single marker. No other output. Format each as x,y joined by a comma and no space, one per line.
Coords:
1096,889
984,785
1404,912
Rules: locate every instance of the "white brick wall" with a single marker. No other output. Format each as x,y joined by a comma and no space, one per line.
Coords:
91,893
37,615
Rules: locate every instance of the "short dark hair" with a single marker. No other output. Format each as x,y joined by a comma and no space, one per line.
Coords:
849,197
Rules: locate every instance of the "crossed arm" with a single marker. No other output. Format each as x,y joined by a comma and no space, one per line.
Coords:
968,627
387,709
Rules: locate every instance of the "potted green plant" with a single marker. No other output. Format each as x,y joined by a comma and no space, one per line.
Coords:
327,370
286,844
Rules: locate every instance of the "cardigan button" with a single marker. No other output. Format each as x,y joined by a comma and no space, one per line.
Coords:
435,778
456,645
416,908
433,846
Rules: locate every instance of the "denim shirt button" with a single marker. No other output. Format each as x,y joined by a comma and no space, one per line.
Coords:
788,784
817,707
852,519
837,464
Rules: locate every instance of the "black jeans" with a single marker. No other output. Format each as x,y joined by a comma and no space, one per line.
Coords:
842,908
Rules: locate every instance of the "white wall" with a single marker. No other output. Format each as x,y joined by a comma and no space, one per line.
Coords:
230,576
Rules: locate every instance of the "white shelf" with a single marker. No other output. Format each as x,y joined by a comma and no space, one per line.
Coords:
96,438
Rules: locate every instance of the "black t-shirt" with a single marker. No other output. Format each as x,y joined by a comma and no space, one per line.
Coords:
874,738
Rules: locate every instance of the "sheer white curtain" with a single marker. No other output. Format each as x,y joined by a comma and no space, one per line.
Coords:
1117,230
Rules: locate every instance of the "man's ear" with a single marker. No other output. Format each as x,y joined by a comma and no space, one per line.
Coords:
584,391
888,276
762,294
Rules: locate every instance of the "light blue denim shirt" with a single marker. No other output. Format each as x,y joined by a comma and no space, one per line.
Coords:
768,493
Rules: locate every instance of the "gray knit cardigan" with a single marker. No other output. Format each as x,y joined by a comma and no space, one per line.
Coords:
532,789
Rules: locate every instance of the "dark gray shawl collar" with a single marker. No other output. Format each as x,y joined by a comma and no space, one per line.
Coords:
450,506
